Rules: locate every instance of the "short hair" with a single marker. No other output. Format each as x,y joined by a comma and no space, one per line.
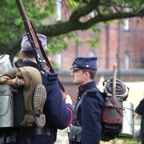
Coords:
91,72
28,54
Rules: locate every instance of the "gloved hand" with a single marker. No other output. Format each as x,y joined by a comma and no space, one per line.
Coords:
68,99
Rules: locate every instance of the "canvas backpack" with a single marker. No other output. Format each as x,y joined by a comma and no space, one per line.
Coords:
29,99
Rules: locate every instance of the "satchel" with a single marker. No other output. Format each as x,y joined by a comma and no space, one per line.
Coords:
75,133
113,112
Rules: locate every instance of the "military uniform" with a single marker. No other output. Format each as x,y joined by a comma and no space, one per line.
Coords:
89,112
140,110
58,114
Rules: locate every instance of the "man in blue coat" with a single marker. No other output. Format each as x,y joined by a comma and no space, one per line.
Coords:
88,113
58,113
140,110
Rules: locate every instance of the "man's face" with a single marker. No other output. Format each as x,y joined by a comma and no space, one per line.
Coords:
78,77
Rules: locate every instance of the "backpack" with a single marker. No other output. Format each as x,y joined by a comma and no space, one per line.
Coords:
113,115
28,97
112,120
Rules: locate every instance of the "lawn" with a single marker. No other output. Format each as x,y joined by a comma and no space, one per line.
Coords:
63,139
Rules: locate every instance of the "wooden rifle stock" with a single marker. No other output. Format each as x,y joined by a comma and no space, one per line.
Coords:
114,98
39,53
114,80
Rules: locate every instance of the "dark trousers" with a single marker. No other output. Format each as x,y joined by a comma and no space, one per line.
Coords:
142,141
8,139
37,139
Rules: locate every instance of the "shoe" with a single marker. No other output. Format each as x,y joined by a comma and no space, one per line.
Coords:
39,98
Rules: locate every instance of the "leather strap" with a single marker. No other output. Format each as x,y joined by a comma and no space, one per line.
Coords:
79,103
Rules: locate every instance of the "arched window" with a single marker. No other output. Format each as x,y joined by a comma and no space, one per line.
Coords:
126,61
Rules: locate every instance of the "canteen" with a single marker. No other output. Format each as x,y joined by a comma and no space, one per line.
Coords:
127,130
6,96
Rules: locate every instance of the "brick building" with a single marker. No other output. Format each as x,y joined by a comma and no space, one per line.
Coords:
117,44
121,43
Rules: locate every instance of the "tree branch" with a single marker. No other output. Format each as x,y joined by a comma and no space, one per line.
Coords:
83,11
65,27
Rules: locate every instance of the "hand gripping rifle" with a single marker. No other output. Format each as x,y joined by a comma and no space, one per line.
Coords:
39,53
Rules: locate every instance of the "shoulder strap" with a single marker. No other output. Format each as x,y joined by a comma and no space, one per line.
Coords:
79,103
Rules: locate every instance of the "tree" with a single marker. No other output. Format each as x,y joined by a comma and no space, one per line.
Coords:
83,15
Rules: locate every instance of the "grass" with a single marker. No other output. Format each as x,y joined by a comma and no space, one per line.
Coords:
62,138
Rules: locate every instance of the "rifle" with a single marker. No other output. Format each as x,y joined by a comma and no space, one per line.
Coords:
39,53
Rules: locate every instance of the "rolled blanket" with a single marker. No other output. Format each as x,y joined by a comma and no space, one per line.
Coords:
32,78
121,89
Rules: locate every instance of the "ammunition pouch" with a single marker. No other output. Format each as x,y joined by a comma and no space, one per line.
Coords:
75,133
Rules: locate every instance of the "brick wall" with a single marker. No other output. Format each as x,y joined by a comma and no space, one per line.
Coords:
115,44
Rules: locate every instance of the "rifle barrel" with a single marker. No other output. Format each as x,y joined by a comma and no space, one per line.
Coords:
41,58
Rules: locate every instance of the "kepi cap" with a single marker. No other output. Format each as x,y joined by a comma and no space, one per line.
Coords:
85,63
26,45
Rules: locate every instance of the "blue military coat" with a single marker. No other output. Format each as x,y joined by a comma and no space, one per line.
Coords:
89,114
58,114
140,110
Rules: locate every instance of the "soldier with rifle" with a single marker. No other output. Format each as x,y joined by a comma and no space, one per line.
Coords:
52,108
34,106
59,113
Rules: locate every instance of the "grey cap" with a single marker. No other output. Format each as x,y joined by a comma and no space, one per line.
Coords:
26,46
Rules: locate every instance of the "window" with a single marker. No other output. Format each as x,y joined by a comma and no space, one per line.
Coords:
126,61
126,21
58,9
58,61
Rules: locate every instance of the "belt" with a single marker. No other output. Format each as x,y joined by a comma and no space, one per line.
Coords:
34,131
